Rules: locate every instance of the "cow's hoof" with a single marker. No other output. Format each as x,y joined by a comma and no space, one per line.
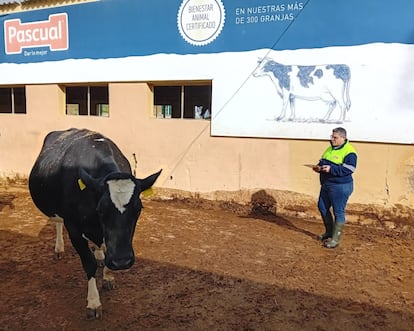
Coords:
92,314
58,256
108,285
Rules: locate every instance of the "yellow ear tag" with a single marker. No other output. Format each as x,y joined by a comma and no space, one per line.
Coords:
148,192
81,184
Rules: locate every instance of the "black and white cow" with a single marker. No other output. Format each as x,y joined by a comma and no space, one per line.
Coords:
82,178
329,83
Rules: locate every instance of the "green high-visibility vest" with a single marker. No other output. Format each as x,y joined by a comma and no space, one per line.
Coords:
337,156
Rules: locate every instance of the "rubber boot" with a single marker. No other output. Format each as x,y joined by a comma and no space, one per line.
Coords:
336,237
328,222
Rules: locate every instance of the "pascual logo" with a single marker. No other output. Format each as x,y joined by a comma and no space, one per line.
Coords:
52,33
200,21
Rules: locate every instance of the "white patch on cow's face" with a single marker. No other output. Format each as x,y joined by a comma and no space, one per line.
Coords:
121,191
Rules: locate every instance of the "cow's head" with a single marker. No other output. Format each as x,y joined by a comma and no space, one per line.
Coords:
263,67
118,207
278,73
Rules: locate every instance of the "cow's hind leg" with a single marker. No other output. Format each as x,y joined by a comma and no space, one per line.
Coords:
59,243
342,110
331,107
342,117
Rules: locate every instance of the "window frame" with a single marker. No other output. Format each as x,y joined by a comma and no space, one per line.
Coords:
184,98
17,103
81,103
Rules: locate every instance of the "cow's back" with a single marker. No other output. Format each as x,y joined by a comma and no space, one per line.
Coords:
56,170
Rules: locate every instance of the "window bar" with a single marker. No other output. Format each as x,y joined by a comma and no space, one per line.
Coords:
12,100
182,101
88,105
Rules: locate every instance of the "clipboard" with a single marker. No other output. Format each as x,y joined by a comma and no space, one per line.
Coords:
309,165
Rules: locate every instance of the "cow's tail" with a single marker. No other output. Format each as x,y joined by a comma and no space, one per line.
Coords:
346,95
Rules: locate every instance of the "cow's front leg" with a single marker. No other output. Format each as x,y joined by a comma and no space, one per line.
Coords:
285,98
99,252
108,279
94,307
89,264
292,108
107,276
284,107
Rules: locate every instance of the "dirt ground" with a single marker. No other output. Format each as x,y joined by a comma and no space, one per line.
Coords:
209,266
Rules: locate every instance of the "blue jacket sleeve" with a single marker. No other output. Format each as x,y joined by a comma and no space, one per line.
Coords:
345,169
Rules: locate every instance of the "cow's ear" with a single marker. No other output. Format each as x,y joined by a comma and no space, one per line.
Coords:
87,181
146,183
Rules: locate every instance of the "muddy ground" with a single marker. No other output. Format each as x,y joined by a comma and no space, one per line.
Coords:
209,266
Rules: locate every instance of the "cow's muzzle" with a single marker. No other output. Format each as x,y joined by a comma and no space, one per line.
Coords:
120,263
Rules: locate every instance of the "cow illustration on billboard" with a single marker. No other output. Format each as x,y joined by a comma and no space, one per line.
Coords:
328,83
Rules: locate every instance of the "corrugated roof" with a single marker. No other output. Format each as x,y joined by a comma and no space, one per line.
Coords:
5,5
9,2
